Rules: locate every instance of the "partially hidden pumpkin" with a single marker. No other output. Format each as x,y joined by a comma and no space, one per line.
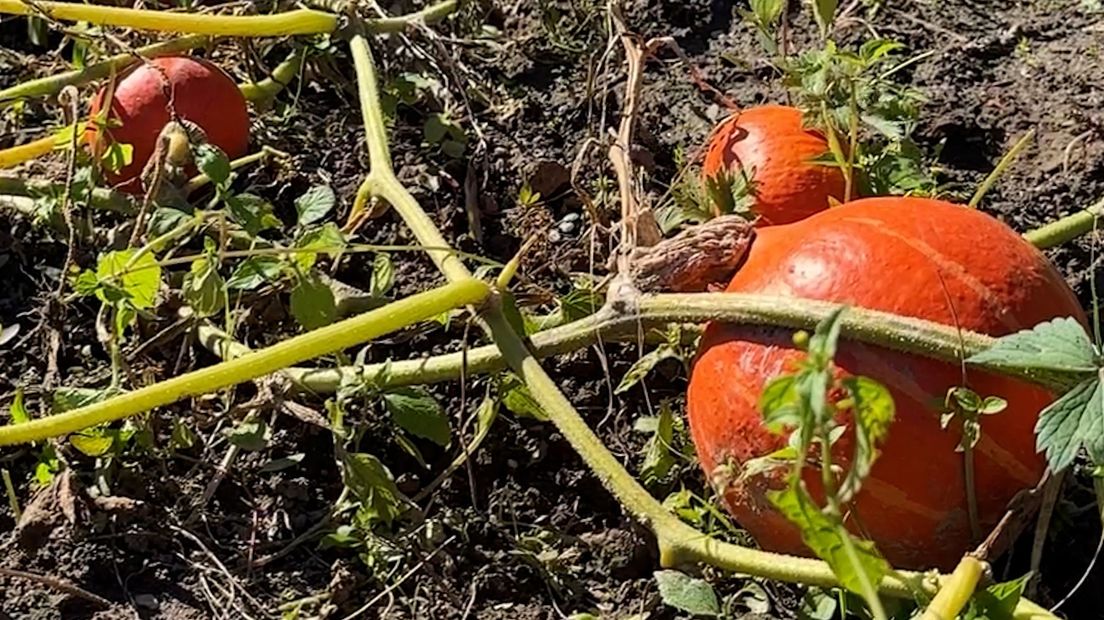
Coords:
914,257
771,147
199,92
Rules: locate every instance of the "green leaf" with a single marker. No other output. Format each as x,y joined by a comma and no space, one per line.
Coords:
686,593
418,413
281,464
204,289
779,403
212,162
766,11
658,459
383,275
817,604
327,239
312,303
1074,420
643,366
1059,345
856,563
371,483
117,156
255,271
92,445
998,601
315,204
516,397
251,435
825,11
165,219
17,410
873,411
137,283
66,398
183,437
252,213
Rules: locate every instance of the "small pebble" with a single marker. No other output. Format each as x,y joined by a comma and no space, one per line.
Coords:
572,217
148,601
555,236
566,227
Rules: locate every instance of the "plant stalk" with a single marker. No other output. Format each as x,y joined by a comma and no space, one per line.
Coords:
1066,228
13,156
101,198
52,85
319,342
299,21
956,591
1002,165
277,80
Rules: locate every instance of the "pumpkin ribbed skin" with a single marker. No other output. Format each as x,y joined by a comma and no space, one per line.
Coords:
773,147
202,93
914,257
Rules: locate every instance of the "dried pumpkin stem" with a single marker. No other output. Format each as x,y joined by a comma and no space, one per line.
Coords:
679,543
319,342
52,85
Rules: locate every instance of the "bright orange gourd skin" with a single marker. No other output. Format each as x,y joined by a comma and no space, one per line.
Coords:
914,257
202,93
773,147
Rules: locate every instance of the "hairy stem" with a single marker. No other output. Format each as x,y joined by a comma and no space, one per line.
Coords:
1066,228
956,590
322,341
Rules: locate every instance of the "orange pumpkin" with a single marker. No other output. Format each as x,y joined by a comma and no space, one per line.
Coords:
914,257
201,93
771,145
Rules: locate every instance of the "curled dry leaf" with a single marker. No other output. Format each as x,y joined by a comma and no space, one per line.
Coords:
695,258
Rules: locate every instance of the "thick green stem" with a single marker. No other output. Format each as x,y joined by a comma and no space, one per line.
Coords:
277,80
1067,228
51,85
957,590
322,341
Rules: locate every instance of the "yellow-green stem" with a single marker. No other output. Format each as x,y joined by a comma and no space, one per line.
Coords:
299,21
201,180
956,591
101,198
13,156
322,341
1002,165
277,80
1066,228
52,85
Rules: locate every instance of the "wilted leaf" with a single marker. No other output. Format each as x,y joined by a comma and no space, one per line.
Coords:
383,275
643,366
91,445
204,289
250,434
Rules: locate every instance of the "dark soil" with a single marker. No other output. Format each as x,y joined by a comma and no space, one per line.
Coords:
524,531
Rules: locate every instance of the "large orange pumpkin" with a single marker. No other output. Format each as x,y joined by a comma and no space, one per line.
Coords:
772,146
201,93
914,257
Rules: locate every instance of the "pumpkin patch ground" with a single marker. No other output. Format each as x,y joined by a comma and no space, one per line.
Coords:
220,506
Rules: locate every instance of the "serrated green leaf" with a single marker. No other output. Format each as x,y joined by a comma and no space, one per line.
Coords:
315,204
137,283
372,485
1076,419
18,411
255,271
251,434
91,445
204,289
856,563
212,162
658,459
1059,345
383,275
252,213
643,366
873,411
326,239
687,593
312,303
418,413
